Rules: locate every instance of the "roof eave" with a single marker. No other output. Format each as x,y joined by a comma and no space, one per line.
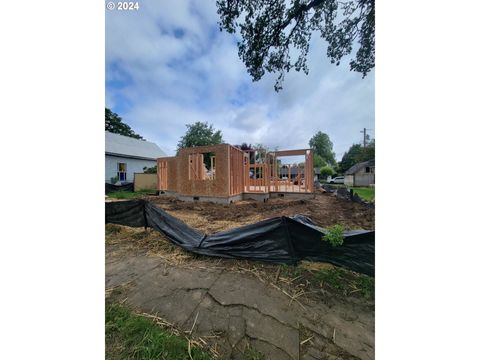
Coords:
130,156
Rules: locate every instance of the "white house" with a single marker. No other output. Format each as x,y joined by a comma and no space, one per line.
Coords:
361,174
125,156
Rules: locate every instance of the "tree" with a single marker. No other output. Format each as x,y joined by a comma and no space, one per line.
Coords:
114,124
369,151
244,146
261,154
322,147
318,162
270,29
200,134
326,171
150,170
356,154
350,158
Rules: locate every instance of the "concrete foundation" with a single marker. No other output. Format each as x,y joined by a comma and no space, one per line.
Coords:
256,196
213,199
244,196
292,195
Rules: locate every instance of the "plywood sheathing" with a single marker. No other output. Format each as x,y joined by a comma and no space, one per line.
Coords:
185,181
232,169
236,166
167,178
162,174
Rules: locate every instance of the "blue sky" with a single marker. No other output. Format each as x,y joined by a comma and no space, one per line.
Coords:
168,65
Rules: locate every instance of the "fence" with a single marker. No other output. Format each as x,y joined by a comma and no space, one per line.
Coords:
279,240
144,181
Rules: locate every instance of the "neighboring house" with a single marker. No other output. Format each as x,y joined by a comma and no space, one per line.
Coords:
294,170
125,156
361,174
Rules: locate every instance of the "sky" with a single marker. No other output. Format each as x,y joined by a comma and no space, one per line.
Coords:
168,65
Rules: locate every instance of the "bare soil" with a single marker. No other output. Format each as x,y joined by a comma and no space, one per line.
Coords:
325,210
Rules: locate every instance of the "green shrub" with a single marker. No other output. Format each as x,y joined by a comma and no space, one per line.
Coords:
326,171
334,235
150,170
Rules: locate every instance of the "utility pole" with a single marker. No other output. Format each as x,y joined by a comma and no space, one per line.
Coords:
365,136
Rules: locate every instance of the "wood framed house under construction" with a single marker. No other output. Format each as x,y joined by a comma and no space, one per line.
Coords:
224,173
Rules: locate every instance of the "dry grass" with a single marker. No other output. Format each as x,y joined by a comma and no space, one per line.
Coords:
300,283
324,210
149,241
203,224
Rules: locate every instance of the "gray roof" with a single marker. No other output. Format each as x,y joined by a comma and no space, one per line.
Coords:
360,166
293,171
116,144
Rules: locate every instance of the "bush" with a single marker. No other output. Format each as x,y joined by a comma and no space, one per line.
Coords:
334,235
326,171
150,170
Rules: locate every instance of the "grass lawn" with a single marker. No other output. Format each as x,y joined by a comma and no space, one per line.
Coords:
332,185
335,279
130,194
131,336
366,193
347,281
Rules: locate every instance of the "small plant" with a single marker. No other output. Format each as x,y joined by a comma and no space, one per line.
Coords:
252,354
347,282
334,235
333,278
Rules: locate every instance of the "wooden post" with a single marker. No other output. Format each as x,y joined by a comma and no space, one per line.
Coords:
289,176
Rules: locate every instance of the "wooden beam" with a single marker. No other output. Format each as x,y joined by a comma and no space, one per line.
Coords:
289,152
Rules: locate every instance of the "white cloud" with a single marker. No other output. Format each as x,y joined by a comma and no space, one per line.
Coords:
178,68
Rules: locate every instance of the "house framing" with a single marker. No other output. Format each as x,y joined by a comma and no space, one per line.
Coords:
224,174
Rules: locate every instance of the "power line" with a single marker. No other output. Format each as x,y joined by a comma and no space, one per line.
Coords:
364,131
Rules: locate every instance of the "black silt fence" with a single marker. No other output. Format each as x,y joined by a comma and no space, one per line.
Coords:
112,188
279,240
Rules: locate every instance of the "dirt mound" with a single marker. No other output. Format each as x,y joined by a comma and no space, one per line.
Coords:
324,210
